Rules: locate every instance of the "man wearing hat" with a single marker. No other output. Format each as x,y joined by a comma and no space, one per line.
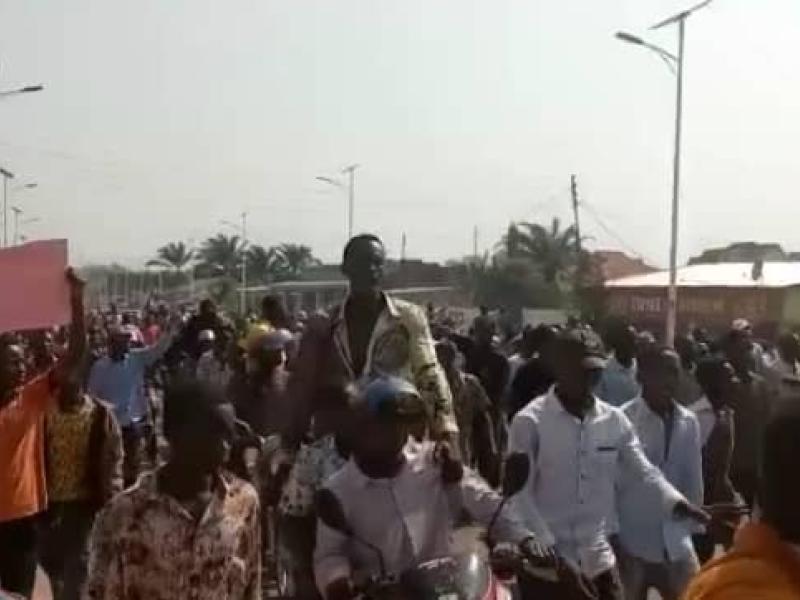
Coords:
579,447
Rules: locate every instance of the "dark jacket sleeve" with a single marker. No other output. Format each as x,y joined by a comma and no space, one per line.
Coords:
304,380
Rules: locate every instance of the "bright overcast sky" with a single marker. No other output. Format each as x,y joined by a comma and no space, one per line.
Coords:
161,117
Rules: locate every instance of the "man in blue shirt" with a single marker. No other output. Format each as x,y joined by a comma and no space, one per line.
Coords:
655,550
118,378
618,384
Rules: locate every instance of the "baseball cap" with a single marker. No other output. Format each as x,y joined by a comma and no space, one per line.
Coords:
585,342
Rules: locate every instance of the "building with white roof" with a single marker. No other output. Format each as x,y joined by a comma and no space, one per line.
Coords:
713,295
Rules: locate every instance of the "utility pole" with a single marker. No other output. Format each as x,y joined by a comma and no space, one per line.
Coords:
403,248
475,242
574,190
6,176
578,242
351,197
17,212
243,291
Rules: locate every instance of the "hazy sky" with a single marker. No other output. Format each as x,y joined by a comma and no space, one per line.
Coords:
161,117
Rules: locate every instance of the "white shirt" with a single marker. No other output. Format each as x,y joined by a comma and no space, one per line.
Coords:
575,463
706,418
645,530
409,517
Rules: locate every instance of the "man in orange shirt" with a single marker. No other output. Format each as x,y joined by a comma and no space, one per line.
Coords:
764,562
23,405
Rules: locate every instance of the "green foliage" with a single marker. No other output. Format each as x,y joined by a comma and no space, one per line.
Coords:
294,259
221,255
264,265
175,256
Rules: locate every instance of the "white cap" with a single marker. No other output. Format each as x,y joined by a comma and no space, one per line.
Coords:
207,335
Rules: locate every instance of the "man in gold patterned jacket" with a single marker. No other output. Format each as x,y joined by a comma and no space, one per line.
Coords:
369,334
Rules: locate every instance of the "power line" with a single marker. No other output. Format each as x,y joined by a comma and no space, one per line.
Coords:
610,232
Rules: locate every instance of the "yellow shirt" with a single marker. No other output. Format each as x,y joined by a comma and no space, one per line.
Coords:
67,449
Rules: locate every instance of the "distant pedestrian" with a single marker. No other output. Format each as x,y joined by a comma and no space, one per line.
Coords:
715,414
618,382
84,471
655,550
536,375
752,408
473,415
119,378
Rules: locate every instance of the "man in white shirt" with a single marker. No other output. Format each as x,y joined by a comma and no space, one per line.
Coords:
782,371
579,446
395,497
656,550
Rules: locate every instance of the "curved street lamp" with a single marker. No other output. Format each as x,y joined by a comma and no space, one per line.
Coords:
675,63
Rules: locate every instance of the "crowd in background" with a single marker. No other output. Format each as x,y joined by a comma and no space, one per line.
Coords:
616,427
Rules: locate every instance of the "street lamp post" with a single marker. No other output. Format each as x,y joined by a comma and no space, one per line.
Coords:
675,62
6,176
17,212
243,289
23,90
350,171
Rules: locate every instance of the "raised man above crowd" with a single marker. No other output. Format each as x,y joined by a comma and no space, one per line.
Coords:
370,333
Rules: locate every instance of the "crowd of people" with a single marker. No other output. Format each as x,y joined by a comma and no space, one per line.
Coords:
124,438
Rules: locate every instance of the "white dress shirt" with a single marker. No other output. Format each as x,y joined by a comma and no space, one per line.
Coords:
575,463
645,530
706,418
409,517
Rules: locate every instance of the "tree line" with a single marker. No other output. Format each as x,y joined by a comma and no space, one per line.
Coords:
223,255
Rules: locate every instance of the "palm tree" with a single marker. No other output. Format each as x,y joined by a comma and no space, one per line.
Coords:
553,250
175,256
295,259
222,254
511,243
264,264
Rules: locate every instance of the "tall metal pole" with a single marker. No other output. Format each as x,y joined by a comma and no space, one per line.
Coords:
5,211
6,176
351,197
17,212
672,292
243,289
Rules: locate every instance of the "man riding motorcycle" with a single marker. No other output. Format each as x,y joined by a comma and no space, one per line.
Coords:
399,499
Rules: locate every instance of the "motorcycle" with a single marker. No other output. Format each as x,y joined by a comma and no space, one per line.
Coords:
456,577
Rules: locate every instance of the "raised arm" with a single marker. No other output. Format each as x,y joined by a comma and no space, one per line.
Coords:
77,333
153,353
429,376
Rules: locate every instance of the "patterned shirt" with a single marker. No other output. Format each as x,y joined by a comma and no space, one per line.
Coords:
469,400
67,446
313,465
145,544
